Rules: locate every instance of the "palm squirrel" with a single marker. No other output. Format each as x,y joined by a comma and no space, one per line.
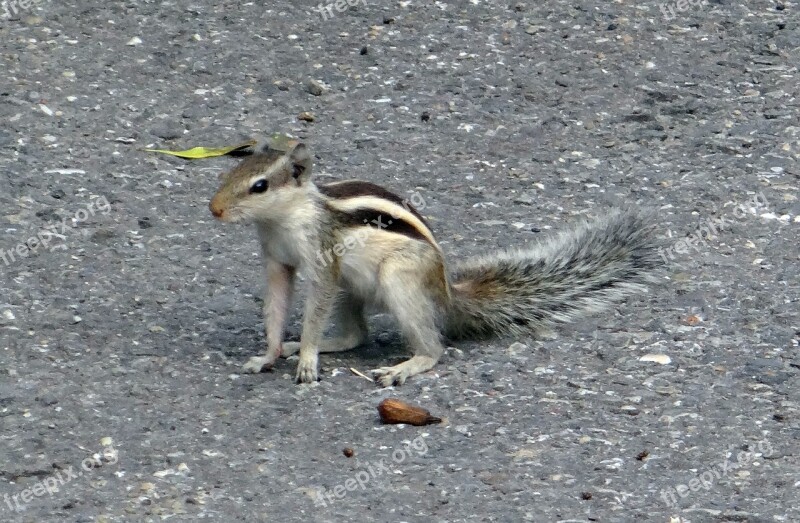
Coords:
359,244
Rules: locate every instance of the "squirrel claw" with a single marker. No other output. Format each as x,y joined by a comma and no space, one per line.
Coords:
258,364
397,375
307,369
306,374
388,376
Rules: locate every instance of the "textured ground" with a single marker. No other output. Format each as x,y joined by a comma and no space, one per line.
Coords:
132,324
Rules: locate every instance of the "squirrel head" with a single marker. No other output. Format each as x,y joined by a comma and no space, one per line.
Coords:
265,185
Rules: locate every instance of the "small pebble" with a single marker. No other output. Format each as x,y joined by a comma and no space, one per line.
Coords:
315,87
663,359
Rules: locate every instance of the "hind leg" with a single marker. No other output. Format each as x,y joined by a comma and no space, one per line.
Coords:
351,328
414,306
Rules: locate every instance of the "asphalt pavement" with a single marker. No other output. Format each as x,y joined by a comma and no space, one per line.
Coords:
126,310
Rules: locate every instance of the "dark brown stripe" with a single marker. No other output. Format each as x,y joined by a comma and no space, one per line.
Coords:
355,188
379,220
254,165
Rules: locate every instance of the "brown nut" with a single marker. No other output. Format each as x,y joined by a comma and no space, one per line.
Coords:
348,452
396,411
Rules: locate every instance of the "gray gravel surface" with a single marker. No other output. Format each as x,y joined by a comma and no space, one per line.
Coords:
510,119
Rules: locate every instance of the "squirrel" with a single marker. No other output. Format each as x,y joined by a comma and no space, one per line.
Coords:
360,244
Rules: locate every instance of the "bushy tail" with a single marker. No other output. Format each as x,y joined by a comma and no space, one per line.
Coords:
576,273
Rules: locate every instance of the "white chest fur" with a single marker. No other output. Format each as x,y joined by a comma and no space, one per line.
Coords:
282,244
290,237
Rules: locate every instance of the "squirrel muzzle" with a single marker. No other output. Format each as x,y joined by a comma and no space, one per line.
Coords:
216,208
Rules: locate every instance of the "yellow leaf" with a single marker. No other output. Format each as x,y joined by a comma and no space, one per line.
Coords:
205,152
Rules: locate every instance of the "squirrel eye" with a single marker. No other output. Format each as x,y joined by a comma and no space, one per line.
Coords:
297,170
259,187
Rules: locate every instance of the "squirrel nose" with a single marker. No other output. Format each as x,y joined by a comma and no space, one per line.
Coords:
215,210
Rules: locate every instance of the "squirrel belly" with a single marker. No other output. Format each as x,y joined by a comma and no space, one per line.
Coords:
578,272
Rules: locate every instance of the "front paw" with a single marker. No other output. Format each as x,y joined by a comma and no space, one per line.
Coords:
257,364
307,370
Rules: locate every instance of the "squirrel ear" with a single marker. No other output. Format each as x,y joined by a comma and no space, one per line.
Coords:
301,163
